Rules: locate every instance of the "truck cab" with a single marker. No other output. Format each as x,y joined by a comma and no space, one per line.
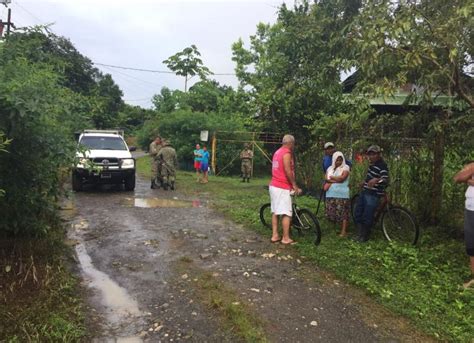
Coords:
103,157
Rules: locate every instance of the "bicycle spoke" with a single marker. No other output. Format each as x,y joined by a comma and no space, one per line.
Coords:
308,225
399,225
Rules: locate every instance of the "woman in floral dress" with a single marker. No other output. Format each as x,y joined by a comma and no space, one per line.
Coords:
337,196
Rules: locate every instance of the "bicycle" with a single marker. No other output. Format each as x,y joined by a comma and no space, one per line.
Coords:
303,220
398,223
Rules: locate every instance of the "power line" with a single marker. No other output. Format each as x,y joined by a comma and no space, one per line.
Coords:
142,99
149,70
28,12
132,77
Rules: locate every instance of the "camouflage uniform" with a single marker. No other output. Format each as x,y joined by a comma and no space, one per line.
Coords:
169,164
246,157
155,164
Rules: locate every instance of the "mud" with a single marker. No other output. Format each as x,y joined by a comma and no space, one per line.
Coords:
129,245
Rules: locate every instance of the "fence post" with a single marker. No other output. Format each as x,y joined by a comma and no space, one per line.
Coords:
214,145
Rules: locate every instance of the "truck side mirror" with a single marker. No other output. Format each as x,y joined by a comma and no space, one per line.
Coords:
132,148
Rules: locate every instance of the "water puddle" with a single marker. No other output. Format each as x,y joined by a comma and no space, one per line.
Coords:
121,311
115,298
155,202
118,340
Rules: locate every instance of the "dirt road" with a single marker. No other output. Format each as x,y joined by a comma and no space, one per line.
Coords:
143,254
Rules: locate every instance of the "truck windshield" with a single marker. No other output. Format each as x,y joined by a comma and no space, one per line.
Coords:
103,143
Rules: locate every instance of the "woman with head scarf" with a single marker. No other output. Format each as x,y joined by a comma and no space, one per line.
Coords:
337,195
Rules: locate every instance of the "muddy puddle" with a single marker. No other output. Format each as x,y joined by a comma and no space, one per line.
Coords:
122,311
155,203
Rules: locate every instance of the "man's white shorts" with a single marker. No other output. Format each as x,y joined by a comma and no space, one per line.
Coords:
281,201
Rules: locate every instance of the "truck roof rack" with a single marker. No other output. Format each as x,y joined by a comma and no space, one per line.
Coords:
114,132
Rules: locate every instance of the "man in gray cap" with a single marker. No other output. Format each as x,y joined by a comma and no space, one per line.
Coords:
329,150
374,188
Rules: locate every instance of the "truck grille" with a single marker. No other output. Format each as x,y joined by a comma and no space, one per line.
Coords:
106,161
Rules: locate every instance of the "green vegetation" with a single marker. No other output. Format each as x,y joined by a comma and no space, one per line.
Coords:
38,294
289,82
188,64
422,283
235,316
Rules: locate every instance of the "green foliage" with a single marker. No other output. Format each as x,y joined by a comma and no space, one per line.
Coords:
188,64
38,45
108,103
40,296
289,68
183,128
132,118
40,145
47,92
427,43
3,143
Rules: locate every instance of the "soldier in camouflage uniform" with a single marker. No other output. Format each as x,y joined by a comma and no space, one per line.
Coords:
246,157
169,164
154,149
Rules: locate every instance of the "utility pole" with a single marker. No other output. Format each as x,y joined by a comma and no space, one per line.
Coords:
9,23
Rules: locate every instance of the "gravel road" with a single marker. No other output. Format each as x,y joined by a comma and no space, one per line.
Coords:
130,249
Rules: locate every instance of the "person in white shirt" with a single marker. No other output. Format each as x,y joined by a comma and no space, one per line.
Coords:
466,175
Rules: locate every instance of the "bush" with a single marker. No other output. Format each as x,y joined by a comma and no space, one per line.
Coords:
183,128
34,113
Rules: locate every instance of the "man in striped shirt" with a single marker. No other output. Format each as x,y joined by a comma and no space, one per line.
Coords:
374,188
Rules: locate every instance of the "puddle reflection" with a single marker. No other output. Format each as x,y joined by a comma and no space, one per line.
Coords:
155,202
118,303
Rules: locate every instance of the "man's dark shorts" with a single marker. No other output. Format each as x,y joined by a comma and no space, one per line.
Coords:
469,231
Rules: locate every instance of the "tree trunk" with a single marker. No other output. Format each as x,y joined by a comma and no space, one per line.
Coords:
185,83
438,167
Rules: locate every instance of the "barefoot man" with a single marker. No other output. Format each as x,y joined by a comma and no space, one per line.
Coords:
283,182
466,176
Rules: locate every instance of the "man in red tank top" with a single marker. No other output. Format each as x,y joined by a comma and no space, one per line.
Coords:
282,184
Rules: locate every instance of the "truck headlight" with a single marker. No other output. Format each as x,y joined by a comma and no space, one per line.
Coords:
128,163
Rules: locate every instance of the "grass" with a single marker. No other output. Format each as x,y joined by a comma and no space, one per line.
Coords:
421,283
38,294
236,316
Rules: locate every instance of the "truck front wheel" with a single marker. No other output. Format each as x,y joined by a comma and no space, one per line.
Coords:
130,183
76,182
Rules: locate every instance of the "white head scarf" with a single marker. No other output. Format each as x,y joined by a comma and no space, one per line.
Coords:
332,169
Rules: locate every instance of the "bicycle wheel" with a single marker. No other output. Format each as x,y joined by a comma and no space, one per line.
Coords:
266,215
306,223
399,225
353,205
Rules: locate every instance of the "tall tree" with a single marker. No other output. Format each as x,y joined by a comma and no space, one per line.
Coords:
108,104
289,67
428,43
187,63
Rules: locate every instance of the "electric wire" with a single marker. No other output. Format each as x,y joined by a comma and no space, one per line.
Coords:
151,70
133,77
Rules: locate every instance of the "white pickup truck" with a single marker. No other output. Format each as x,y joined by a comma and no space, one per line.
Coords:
103,157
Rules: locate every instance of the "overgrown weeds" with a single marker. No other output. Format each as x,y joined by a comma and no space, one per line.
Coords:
38,293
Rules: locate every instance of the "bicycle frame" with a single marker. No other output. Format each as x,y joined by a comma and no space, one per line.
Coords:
385,201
